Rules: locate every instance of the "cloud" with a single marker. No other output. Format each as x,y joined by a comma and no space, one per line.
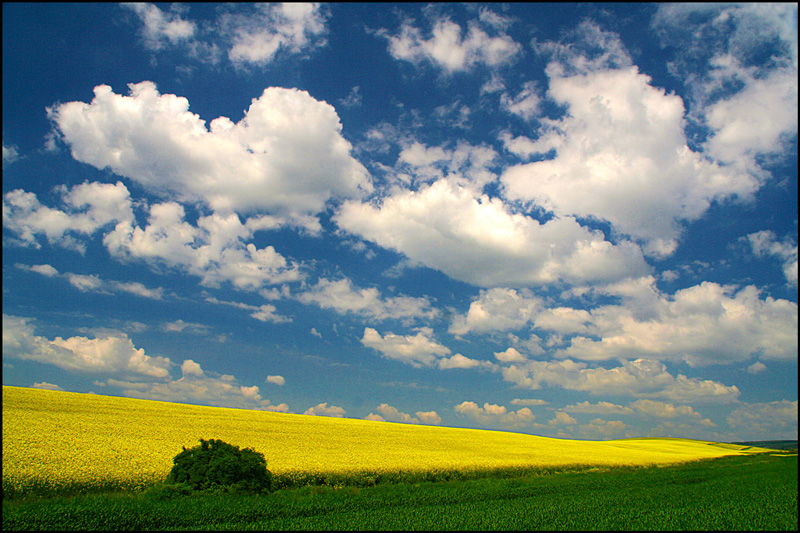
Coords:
454,115
460,361
277,380
10,154
341,296
85,283
760,421
267,161
214,250
450,49
198,388
430,418
562,419
353,98
418,350
264,312
248,34
586,48
759,119
701,325
190,368
179,326
392,414
465,165
747,104
534,345
46,386
138,289
94,283
526,104
665,410
496,415
322,409
160,29
600,408
87,208
478,241
511,355
766,244
598,429
497,309
563,320
621,153
267,313
45,270
528,401
259,36
640,378
109,354
756,368
739,29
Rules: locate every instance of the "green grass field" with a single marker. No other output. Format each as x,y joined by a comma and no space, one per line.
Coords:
756,492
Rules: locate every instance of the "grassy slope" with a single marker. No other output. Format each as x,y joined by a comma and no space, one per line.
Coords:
61,435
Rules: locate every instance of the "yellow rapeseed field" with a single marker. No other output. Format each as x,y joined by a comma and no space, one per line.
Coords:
63,439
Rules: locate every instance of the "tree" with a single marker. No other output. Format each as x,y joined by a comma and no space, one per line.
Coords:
215,464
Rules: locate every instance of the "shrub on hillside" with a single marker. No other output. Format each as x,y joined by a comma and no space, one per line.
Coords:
215,464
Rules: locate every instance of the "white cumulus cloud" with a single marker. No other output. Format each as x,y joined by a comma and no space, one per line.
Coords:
641,378
343,297
496,415
86,208
497,309
450,48
215,250
291,26
252,34
701,325
277,380
110,354
323,409
418,350
160,29
769,420
389,413
478,241
766,243
267,161
621,155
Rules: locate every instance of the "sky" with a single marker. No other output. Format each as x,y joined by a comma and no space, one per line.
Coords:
568,220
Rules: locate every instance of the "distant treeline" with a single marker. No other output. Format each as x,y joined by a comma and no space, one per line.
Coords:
772,444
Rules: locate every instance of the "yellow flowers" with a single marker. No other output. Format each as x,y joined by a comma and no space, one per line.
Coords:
63,439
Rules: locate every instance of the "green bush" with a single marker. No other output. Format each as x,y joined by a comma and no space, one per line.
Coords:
217,465
167,491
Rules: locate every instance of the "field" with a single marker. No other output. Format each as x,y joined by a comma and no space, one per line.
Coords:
63,442
741,493
80,461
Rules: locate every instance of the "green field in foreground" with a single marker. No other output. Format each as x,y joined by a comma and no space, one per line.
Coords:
57,442
756,492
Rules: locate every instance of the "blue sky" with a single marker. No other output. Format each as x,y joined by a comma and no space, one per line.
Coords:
574,221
